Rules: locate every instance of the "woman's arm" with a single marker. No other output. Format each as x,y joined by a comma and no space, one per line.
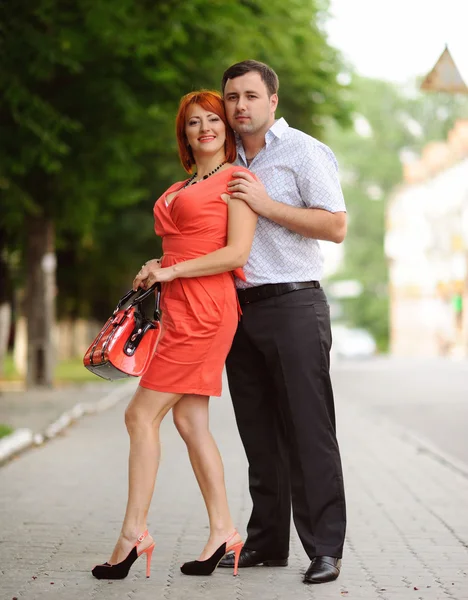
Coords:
241,228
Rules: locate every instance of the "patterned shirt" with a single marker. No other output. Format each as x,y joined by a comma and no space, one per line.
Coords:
298,170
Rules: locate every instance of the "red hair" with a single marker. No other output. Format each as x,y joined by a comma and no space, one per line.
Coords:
212,102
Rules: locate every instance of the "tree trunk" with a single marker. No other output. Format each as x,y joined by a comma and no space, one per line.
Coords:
5,301
5,324
39,303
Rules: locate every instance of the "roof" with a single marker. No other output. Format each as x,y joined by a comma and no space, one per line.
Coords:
448,75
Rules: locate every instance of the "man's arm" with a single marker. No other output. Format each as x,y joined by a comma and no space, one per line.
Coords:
324,217
317,223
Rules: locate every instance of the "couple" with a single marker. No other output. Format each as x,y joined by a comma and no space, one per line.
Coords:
261,221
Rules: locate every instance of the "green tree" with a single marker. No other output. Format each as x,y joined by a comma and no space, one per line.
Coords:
89,94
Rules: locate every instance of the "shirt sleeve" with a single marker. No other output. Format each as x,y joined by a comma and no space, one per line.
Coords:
318,180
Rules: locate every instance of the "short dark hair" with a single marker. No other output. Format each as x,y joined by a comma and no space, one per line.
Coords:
269,77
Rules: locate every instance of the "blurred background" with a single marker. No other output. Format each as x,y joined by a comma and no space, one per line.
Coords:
89,92
404,172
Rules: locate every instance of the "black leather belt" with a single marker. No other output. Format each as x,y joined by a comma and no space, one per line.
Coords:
260,292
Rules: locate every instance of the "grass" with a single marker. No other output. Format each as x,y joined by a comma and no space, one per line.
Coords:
5,430
9,371
66,371
72,370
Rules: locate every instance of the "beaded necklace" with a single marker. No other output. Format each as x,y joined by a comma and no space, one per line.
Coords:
192,182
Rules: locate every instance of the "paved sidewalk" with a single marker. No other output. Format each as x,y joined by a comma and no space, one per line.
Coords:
39,415
37,409
62,504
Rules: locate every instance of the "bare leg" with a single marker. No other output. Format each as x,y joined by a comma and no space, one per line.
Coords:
192,421
143,418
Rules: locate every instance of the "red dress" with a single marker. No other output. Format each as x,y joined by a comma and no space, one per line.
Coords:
199,314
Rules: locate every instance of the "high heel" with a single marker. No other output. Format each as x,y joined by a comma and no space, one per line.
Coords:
206,567
121,569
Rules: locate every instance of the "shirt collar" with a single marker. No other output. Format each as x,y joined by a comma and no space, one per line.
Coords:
276,131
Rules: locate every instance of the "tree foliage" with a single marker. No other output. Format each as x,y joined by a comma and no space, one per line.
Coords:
89,95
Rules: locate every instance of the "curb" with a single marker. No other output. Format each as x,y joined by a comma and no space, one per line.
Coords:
22,439
15,442
424,446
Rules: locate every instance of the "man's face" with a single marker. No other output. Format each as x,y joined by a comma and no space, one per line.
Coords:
249,110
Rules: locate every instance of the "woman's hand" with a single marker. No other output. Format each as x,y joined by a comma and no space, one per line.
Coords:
141,279
160,275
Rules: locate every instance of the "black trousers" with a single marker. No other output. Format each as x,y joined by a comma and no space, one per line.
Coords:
278,373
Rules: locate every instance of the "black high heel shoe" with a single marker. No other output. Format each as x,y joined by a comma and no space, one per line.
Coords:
121,569
206,567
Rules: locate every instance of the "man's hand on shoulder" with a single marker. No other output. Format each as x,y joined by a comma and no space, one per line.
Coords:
245,186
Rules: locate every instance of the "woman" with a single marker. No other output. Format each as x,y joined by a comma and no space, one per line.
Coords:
206,235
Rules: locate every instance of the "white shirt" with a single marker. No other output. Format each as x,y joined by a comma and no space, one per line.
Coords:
298,170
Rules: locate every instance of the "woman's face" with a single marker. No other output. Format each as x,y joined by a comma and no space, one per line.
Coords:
205,131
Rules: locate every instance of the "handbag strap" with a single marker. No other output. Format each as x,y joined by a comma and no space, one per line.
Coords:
139,299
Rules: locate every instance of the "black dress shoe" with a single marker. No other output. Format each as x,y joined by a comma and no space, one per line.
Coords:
323,569
252,558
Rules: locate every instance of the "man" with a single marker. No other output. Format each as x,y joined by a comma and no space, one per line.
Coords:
278,367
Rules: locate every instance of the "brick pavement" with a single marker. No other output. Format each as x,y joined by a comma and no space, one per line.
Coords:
61,507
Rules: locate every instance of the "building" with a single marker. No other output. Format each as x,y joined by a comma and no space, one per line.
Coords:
427,248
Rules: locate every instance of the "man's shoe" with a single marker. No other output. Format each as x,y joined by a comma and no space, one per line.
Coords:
252,558
322,569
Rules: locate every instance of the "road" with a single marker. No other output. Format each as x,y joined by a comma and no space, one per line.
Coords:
426,397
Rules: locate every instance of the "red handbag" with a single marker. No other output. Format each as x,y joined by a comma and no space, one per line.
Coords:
126,344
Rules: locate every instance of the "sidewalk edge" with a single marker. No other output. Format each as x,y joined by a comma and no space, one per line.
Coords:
424,446
22,439
15,442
